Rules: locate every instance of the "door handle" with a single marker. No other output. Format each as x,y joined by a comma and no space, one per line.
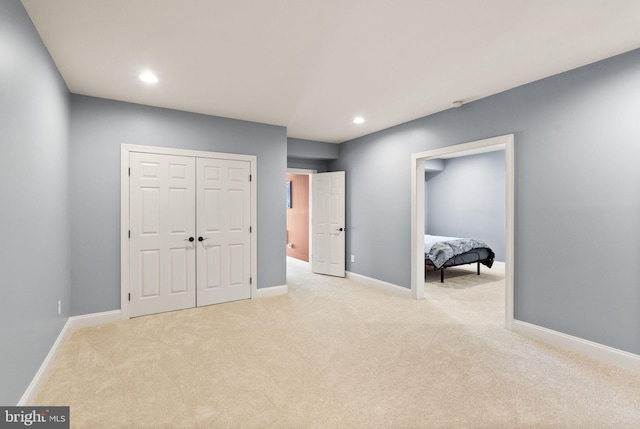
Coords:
202,239
190,239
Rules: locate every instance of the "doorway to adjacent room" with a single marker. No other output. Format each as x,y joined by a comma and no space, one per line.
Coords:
505,143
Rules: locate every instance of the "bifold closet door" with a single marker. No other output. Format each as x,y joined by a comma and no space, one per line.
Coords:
223,223
162,222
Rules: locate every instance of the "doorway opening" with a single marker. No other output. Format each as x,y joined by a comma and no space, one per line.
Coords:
294,263
299,213
504,143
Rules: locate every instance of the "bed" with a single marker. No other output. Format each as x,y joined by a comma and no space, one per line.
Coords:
444,252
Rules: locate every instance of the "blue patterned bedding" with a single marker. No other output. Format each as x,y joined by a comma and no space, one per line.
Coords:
439,250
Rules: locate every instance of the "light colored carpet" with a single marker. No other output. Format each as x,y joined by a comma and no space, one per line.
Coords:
337,354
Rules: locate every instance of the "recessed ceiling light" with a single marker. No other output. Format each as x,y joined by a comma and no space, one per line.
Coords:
148,77
358,120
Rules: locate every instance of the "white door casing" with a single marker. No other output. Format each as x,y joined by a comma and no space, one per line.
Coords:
504,142
132,270
224,230
328,223
162,219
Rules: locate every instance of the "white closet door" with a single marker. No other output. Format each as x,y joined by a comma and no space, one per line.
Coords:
223,225
162,220
328,223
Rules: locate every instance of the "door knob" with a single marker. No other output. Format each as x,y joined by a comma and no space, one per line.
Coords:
202,239
190,239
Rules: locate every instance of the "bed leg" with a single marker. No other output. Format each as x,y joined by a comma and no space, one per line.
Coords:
478,268
441,275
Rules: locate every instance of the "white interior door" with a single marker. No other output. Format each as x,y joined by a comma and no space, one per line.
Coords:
162,221
224,228
328,223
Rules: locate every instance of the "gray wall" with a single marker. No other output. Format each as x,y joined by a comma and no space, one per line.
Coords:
34,222
310,154
311,149
99,127
321,166
467,199
577,209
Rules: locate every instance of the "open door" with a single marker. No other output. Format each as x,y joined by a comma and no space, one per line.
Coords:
328,223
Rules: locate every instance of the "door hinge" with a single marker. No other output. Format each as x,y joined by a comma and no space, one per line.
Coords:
250,178
250,229
129,233
129,171
129,297
250,280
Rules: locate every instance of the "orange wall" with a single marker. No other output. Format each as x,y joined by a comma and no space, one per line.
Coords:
298,217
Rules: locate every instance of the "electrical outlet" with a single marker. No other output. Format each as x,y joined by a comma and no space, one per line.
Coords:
59,308
353,258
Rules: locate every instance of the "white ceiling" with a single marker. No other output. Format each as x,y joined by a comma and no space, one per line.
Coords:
312,65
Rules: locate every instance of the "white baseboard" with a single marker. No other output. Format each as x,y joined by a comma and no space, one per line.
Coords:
72,323
271,291
34,387
95,319
589,348
390,287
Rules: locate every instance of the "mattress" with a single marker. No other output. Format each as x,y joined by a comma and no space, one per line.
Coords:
441,251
